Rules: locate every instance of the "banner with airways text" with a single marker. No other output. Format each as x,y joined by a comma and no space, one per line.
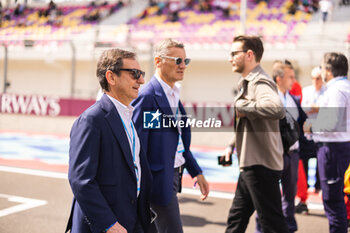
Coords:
41,105
54,106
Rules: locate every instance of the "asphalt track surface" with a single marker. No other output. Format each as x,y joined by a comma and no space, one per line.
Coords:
40,203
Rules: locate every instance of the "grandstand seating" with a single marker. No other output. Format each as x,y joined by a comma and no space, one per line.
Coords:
32,25
269,20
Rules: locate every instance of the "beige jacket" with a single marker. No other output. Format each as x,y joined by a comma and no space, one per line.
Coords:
258,140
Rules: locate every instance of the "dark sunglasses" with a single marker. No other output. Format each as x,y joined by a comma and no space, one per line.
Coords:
234,53
178,60
136,74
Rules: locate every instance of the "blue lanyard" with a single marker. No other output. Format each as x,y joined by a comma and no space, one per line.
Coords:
132,139
177,112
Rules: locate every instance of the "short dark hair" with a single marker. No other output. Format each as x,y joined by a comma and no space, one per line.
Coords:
253,43
111,59
337,63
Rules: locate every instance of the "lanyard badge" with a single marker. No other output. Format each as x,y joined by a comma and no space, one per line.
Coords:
132,139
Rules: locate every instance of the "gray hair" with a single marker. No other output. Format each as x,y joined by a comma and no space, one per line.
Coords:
162,47
278,70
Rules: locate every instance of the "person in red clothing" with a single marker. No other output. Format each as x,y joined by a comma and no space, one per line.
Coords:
296,90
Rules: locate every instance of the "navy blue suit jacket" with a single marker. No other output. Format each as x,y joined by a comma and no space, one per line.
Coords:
161,144
307,148
102,175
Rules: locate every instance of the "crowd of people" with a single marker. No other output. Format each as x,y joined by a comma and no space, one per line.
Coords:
227,7
125,173
54,14
173,7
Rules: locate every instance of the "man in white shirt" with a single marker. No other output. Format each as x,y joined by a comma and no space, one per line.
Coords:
325,8
312,94
310,103
331,130
167,149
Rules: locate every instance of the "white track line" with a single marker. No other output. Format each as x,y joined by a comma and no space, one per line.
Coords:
230,196
25,204
196,192
33,172
215,194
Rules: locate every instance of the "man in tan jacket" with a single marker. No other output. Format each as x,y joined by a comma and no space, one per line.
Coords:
258,110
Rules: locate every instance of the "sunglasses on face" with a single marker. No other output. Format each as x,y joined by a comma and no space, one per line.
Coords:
178,60
234,53
136,74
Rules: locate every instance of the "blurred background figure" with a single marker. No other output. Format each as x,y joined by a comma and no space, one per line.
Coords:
312,95
331,131
326,9
284,75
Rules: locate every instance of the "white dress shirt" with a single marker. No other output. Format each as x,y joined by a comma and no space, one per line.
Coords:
292,108
333,120
173,96
125,112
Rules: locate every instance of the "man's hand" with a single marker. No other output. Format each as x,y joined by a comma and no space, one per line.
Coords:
307,127
117,228
314,109
240,115
228,155
204,186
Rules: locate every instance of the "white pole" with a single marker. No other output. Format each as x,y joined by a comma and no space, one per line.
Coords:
243,16
6,83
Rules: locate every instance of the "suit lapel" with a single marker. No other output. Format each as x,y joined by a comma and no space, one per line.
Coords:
182,111
114,121
145,170
161,98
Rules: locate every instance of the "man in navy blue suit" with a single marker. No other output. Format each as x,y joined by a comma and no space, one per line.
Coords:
167,149
108,170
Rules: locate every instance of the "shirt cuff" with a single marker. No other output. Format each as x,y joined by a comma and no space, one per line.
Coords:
110,226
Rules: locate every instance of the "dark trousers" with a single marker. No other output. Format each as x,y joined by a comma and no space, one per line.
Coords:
289,187
138,227
257,189
169,220
324,16
333,160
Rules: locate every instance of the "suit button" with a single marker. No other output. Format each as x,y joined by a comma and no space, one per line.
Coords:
132,202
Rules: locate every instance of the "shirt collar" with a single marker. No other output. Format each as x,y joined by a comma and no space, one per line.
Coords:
250,77
283,95
126,111
253,73
167,89
330,83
